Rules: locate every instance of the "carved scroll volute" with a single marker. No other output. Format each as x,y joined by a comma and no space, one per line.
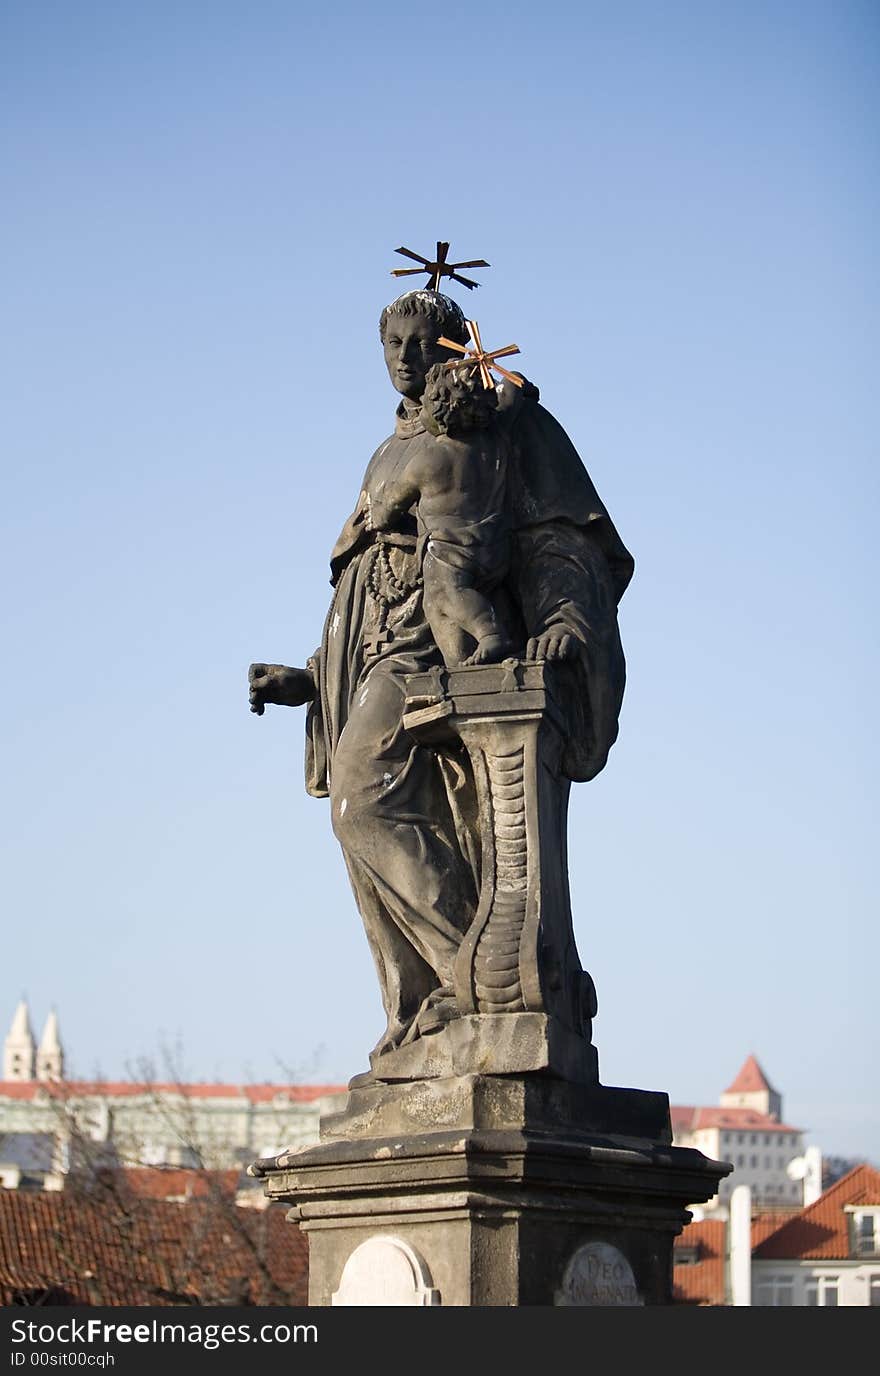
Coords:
518,954
488,967
515,954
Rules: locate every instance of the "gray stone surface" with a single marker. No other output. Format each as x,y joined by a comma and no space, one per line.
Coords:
481,1103
470,670
598,1275
385,1271
497,1183
484,1044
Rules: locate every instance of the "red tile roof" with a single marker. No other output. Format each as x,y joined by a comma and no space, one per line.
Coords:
262,1094
750,1079
254,1094
180,1182
702,1281
686,1119
765,1224
109,1248
17,1089
820,1231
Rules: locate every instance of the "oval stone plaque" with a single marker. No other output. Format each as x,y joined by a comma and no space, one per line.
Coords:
385,1270
598,1274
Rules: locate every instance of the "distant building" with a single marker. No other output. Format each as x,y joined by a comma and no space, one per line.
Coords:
96,1125
29,1161
50,1054
747,1129
19,1047
23,1060
699,1271
826,1255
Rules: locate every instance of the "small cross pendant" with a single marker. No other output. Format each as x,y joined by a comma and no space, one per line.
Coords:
378,640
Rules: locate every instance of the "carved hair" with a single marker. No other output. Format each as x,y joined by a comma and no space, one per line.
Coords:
441,310
455,401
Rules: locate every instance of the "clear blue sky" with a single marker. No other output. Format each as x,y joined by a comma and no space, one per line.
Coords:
680,205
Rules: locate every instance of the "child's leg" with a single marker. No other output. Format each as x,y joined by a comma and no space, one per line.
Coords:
461,615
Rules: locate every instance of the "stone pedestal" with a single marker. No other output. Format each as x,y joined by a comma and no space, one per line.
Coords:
492,1190
481,1162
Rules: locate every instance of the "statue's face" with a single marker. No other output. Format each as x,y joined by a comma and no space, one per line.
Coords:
411,348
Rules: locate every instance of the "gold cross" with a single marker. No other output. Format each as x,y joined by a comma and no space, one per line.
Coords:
439,268
484,359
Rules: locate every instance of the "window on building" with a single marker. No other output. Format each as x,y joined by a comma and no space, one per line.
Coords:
754,1141
774,1292
740,1159
865,1234
821,1291
753,1162
766,1139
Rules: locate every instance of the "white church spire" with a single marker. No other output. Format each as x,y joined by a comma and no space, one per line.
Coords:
50,1054
19,1046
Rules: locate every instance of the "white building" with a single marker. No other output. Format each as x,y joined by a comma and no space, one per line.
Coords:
19,1048
217,1126
826,1255
747,1129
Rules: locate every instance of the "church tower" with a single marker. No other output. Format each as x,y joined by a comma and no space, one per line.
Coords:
19,1047
752,1089
50,1053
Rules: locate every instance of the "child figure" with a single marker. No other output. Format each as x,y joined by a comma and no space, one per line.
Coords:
457,479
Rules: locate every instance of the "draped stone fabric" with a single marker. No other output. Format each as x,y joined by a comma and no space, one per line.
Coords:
405,813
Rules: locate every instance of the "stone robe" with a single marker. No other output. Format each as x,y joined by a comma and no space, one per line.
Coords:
405,813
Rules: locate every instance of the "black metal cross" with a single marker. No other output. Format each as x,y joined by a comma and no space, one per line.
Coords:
439,268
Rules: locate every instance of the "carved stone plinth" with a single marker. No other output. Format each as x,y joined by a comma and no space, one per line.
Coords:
481,1162
526,1003
492,1190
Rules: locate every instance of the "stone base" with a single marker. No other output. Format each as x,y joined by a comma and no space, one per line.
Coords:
481,1045
485,1190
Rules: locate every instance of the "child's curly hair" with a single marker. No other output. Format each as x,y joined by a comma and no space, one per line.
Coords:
455,401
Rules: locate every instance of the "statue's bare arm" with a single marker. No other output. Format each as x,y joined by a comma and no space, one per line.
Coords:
276,683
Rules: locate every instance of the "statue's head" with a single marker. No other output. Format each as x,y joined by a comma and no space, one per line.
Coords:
455,402
409,329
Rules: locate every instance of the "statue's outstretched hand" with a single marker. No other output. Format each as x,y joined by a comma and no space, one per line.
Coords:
275,683
552,644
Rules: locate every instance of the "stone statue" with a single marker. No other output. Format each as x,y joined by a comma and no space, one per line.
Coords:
470,669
